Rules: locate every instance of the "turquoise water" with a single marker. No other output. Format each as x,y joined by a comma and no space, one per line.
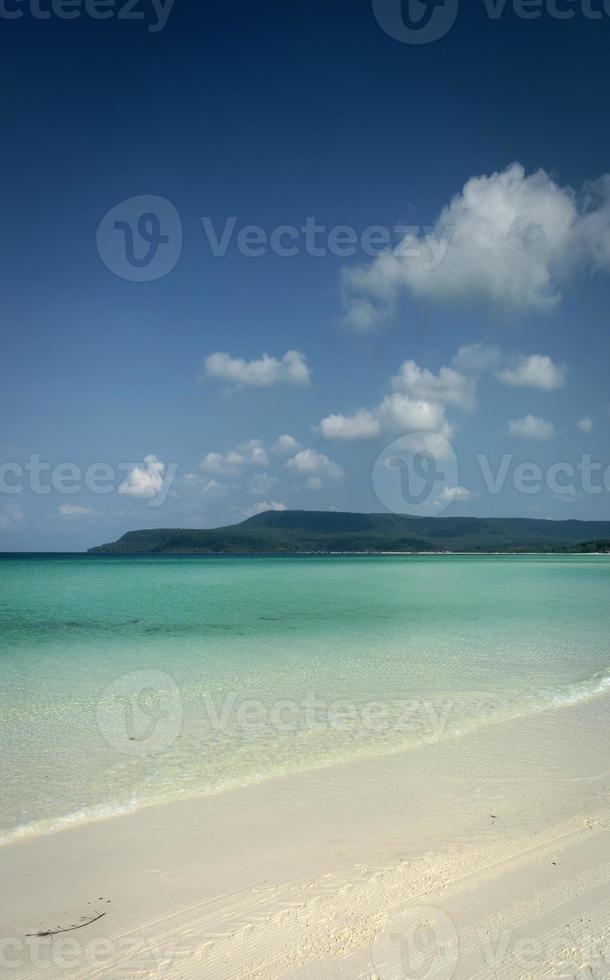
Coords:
129,682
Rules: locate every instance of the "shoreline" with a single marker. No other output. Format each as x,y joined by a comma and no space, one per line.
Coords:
303,554
304,863
104,811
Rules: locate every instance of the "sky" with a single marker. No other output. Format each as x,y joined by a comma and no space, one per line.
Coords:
301,255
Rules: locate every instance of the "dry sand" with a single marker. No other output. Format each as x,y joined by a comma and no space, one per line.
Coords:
482,857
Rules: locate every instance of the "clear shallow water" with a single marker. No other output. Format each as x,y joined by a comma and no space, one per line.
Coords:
130,682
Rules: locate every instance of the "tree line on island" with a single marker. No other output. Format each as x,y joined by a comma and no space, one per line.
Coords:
328,532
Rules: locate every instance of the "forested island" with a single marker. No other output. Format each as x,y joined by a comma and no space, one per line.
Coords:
328,532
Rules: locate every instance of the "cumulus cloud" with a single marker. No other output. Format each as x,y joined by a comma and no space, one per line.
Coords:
251,453
316,466
586,424
477,358
450,494
531,427
284,445
144,481
262,506
75,510
361,425
261,373
399,413
416,404
448,387
205,487
513,239
537,371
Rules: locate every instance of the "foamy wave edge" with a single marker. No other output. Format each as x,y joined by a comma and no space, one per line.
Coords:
53,825
582,691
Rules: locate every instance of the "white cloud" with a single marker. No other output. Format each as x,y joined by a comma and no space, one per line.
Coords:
449,494
448,387
75,510
260,507
144,481
537,371
313,464
205,487
531,427
416,404
361,425
401,414
586,424
284,445
477,358
511,238
11,516
593,228
251,453
261,373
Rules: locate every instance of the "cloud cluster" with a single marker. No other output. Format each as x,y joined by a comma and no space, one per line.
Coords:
261,373
532,427
514,239
419,399
416,403
537,371
448,387
452,494
203,486
477,358
315,466
284,445
144,481
251,453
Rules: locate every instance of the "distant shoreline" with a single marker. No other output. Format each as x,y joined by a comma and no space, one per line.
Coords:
304,554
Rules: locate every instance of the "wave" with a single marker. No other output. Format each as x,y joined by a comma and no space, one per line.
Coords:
533,703
53,825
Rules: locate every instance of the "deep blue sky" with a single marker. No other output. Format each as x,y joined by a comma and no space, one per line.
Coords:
271,112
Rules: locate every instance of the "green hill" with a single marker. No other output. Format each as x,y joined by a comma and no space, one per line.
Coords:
299,531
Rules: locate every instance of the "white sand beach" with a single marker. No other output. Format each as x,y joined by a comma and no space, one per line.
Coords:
482,856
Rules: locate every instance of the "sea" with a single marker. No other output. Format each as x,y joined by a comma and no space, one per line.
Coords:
131,682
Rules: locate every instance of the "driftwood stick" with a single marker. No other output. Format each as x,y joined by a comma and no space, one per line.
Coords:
55,932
